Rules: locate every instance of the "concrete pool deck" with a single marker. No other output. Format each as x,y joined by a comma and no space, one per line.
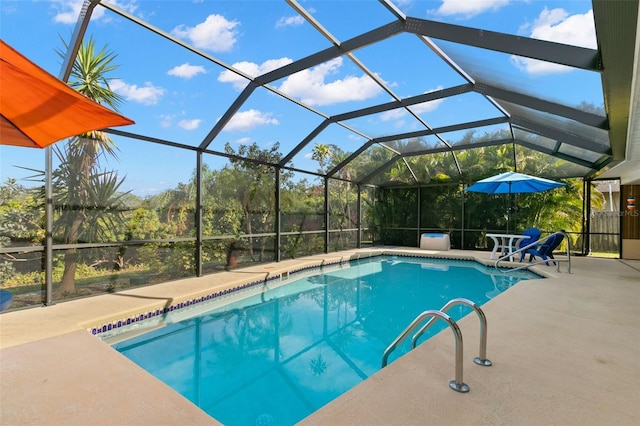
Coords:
565,350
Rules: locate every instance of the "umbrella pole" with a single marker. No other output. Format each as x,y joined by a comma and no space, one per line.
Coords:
515,212
508,207
48,257
508,210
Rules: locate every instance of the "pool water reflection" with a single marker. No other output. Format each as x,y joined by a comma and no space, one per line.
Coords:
276,357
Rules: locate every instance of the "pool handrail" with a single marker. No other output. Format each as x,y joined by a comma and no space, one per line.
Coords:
481,359
457,385
556,262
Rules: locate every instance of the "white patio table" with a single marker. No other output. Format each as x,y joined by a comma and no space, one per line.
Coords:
508,243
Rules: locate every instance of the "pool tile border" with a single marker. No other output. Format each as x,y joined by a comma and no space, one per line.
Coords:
105,328
130,319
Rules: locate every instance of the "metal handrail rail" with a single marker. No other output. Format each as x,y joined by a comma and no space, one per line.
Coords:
481,359
556,262
457,384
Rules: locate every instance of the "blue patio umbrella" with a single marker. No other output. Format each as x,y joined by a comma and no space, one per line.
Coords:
513,183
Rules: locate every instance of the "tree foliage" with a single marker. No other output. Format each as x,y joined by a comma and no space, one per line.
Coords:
86,197
156,234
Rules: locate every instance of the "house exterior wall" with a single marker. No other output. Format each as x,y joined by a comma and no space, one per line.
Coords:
630,221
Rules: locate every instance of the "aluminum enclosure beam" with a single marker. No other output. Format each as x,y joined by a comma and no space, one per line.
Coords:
572,56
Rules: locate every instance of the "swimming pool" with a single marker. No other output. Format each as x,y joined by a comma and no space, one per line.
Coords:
277,356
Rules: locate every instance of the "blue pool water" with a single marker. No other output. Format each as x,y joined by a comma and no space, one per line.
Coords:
275,357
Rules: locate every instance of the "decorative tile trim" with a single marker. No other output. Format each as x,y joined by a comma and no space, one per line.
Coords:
109,326
112,325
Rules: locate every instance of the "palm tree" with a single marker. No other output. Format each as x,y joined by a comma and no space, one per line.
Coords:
322,154
82,190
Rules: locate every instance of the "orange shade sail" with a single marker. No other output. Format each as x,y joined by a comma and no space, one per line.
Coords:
38,109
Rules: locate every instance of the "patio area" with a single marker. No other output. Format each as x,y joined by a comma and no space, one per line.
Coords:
564,351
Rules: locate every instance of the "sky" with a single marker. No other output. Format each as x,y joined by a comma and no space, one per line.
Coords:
179,96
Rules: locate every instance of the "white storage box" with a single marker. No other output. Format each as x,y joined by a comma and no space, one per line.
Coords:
435,242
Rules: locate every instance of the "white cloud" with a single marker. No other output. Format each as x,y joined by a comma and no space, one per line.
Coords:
128,6
186,70
558,26
468,8
290,21
394,114
251,69
166,120
398,113
248,120
216,33
310,86
147,95
245,140
69,10
190,124
426,106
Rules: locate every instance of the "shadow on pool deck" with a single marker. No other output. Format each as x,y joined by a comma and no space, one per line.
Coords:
564,351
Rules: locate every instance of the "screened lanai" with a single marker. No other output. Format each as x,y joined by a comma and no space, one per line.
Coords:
274,130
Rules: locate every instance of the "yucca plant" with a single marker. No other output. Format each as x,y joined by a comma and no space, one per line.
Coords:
86,198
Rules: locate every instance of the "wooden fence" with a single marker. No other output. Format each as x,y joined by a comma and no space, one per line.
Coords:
605,231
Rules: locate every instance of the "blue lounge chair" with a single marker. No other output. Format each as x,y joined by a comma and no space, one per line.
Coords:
534,235
546,248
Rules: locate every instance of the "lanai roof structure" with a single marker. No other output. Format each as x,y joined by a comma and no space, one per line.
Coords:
387,81
572,100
